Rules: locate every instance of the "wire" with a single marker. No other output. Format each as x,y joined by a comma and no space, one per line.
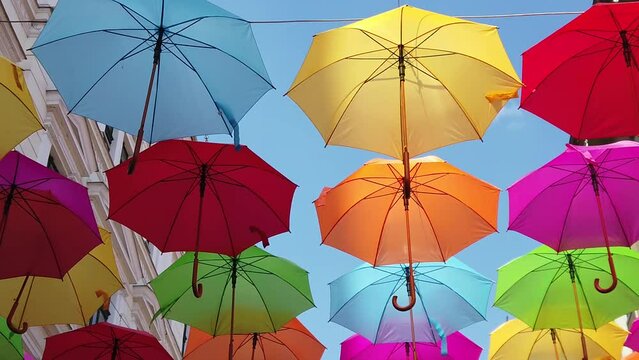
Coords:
302,21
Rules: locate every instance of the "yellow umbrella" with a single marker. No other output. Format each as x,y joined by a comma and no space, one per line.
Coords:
18,116
72,300
514,340
407,80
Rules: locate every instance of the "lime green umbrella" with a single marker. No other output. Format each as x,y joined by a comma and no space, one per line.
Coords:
545,289
10,343
254,292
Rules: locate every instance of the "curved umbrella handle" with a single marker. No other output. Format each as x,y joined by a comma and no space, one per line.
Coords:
411,296
197,288
106,299
12,312
613,273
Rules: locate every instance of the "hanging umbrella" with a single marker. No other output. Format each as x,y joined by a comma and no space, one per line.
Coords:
593,58
252,292
405,82
545,289
192,67
195,196
19,116
459,347
584,193
46,225
514,340
450,296
104,341
292,342
441,198
72,300
632,341
10,343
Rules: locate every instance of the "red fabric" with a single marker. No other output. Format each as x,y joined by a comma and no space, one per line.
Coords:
48,225
97,342
578,79
160,200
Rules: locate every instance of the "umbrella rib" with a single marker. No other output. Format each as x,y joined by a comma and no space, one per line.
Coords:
178,211
614,207
259,293
543,299
355,91
428,319
437,282
581,186
587,303
432,226
198,19
35,117
268,272
219,308
397,286
111,31
358,292
213,188
155,99
459,104
77,298
393,202
124,57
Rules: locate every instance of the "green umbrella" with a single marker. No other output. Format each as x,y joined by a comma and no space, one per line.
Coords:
254,292
10,343
544,288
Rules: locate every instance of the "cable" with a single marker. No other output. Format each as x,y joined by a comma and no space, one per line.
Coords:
301,21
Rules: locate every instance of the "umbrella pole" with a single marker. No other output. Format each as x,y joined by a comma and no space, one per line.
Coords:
116,348
233,282
156,61
553,335
254,346
573,275
197,288
13,310
602,220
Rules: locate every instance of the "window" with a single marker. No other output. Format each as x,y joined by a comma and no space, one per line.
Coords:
100,316
108,135
52,165
124,155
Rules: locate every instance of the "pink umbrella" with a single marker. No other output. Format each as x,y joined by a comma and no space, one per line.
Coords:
633,339
586,197
458,347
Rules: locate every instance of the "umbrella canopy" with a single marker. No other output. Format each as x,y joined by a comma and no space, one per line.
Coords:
196,196
545,288
593,58
104,341
459,347
47,223
193,67
450,76
19,116
10,343
292,342
584,193
72,300
252,292
514,340
450,296
364,215
633,339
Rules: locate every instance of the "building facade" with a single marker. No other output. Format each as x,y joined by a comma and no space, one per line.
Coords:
83,150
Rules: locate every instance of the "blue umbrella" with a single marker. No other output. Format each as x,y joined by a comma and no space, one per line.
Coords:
450,296
191,66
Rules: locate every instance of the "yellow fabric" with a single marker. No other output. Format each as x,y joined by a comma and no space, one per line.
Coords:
73,299
514,340
458,77
18,116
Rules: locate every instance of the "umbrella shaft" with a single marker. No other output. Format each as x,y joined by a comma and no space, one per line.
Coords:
233,282
581,325
5,212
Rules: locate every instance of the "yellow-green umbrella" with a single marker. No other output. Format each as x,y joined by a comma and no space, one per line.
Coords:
514,340
18,116
72,300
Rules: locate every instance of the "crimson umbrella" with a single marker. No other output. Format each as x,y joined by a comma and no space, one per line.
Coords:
196,196
104,341
46,223
584,78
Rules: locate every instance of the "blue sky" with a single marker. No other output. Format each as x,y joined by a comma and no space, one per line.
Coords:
278,130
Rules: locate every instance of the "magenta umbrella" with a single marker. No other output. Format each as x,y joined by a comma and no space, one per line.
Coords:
458,347
586,197
633,339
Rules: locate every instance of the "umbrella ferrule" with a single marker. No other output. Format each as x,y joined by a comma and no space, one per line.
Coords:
627,49
204,170
254,340
553,335
9,199
571,267
594,178
401,63
114,351
234,272
158,46
408,281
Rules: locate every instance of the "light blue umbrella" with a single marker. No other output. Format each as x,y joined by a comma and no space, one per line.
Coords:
450,296
194,66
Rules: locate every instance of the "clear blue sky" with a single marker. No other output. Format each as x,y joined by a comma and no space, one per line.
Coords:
278,130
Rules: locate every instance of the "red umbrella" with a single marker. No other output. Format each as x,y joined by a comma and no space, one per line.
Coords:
584,78
104,341
196,196
46,223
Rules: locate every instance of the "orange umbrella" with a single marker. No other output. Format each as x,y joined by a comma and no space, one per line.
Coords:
293,341
365,214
